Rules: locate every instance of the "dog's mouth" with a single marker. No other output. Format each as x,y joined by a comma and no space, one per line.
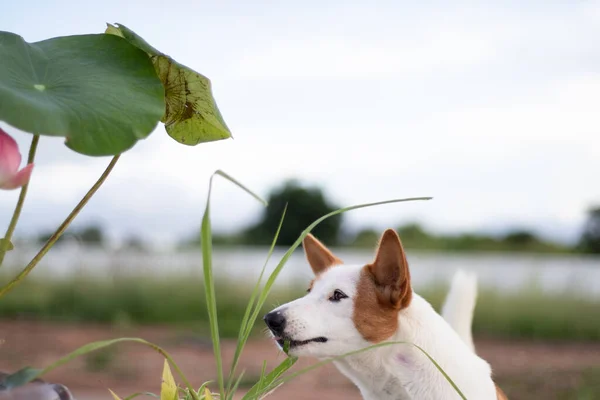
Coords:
297,343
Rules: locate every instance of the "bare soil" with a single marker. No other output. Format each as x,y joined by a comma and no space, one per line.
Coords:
526,370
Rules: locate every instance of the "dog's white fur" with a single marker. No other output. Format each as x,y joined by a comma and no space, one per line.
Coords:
399,371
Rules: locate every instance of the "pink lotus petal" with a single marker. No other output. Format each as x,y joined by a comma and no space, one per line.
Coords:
10,158
19,179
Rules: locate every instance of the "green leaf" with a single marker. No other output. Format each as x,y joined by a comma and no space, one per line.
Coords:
19,378
191,114
268,383
98,91
6,245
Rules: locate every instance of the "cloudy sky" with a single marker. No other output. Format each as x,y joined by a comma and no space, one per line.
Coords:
493,109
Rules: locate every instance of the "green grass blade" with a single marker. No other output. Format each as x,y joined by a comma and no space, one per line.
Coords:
241,186
235,386
261,378
133,396
199,392
209,284
270,381
205,384
267,288
442,371
202,389
246,327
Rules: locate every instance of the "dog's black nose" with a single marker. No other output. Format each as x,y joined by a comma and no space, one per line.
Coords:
276,322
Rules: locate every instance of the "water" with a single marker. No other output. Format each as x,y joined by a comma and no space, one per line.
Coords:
502,271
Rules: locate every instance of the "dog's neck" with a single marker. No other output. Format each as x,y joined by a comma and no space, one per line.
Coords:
403,372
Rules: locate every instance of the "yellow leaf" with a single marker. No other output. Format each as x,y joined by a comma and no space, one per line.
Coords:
191,113
114,395
168,389
207,394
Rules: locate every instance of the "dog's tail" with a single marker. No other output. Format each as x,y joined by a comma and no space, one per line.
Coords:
460,304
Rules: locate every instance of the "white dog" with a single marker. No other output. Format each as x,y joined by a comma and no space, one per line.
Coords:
351,307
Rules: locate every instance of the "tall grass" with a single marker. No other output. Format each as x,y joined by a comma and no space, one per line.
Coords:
528,314
142,301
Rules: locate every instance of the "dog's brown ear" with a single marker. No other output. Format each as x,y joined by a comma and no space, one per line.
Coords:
390,271
319,257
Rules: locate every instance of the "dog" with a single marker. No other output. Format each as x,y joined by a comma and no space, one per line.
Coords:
351,307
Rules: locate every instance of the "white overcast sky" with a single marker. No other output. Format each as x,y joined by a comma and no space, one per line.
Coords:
493,108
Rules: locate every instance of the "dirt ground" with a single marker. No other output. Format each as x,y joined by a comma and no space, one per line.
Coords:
526,370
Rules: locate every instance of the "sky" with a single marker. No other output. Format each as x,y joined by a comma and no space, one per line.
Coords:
489,107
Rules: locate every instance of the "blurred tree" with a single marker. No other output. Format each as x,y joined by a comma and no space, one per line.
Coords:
134,243
44,236
305,204
590,238
91,235
413,233
471,241
521,239
366,238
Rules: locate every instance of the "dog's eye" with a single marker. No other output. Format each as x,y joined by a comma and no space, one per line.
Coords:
337,295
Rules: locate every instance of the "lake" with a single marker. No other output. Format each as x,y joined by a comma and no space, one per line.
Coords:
502,271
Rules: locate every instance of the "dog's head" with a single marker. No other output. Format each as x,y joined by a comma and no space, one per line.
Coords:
347,307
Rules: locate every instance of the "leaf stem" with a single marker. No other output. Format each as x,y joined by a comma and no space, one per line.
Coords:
61,229
17,213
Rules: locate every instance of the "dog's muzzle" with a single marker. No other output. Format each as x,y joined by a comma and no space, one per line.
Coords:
276,322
